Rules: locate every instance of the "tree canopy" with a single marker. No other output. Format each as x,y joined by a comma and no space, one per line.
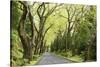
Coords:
66,29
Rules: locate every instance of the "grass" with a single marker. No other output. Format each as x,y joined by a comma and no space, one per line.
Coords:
68,56
34,60
75,58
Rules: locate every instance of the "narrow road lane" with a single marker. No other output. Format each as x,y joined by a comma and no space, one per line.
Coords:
49,58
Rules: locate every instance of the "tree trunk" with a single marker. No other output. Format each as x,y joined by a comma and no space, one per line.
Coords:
26,42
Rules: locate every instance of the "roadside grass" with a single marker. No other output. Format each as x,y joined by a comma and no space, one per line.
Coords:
35,59
68,56
75,58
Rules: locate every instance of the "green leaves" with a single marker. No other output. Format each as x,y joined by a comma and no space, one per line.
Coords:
80,25
16,50
72,30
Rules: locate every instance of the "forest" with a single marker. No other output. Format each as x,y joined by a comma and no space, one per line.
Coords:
66,30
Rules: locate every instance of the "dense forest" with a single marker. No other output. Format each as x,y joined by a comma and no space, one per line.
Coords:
68,30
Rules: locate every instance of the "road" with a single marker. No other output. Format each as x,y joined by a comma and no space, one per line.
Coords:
49,58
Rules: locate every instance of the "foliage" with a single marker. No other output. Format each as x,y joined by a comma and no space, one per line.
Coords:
66,29
77,37
16,50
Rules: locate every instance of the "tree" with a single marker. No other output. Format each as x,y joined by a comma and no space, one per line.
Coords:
27,42
43,14
80,28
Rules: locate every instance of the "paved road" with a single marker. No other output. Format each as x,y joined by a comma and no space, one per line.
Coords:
49,58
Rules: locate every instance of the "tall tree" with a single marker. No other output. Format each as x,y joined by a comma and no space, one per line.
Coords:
27,41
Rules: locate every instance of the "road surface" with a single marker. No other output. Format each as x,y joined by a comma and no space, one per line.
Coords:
49,58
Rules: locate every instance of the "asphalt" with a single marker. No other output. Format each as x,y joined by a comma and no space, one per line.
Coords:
49,58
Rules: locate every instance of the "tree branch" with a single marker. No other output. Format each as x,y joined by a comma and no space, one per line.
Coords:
48,28
22,3
46,31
